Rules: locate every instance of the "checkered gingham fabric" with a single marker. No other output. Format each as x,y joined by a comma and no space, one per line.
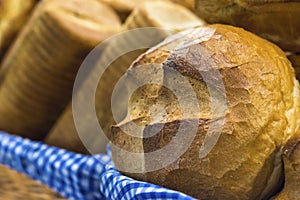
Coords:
76,176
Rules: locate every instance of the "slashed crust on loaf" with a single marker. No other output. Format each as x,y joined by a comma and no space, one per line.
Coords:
262,109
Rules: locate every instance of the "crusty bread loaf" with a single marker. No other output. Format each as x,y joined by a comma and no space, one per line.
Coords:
13,15
275,20
262,97
291,159
148,14
38,73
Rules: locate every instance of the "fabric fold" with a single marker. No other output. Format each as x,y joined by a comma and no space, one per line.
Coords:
76,176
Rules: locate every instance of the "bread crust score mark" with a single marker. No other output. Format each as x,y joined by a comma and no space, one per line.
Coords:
262,96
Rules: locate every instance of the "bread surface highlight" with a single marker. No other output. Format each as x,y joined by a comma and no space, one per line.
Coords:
262,97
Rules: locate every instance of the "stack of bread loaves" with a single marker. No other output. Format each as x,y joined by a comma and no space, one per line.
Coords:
38,72
262,109
212,111
148,14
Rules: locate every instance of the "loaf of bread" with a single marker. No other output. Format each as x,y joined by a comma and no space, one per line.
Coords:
275,20
13,15
158,14
162,14
200,74
125,7
38,73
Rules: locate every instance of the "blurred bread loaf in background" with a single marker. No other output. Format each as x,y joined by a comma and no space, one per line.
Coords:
155,13
275,20
13,15
162,14
15,185
123,7
37,74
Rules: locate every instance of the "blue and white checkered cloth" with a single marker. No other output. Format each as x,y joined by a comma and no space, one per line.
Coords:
76,176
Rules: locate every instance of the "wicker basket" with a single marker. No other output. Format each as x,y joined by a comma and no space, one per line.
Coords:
18,186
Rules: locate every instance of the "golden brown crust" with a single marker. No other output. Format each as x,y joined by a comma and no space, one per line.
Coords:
262,2
15,185
143,16
245,162
13,15
159,13
64,135
83,20
123,7
38,73
276,21
186,3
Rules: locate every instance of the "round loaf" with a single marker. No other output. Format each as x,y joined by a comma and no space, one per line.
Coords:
261,108
275,20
